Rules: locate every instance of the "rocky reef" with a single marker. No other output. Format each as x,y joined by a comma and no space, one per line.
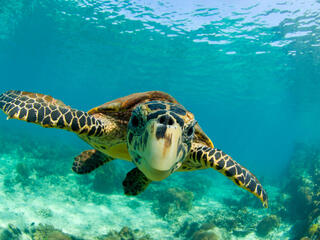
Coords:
303,190
125,234
267,224
40,232
48,232
172,202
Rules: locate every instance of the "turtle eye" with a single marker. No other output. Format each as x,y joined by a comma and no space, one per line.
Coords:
135,121
190,131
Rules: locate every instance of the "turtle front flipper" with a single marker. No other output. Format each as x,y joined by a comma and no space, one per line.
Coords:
207,157
48,112
135,182
89,160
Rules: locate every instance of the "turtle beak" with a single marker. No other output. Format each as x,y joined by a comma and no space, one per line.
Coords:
162,153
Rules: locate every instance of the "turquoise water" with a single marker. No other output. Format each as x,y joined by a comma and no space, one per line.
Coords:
249,71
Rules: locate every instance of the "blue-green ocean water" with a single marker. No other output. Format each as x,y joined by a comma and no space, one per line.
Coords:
248,70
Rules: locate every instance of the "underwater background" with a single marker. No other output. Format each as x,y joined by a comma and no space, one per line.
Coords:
248,70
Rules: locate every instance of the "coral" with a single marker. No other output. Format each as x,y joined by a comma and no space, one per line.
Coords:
240,233
173,201
304,188
5,234
314,229
267,224
279,206
238,221
207,226
305,195
48,232
12,232
299,229
45,212
22,170
205,232
188,229
126,234
22,174
228,223
204,235
8,184
193,230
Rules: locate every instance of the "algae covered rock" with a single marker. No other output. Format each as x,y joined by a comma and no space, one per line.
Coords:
48,232
44,212
126,234
195,230
205,235
205,232
22,170
22,174
304,190
267,224
314,230
173,201
11,232
188,229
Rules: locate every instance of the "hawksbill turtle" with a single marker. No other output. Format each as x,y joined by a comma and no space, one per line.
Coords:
150,129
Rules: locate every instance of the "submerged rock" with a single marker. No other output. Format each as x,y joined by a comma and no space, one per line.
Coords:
314,231
195,231
11,232
188,229
126,234
44,212
304,188
22,174
205,235
206,232
48,232
173,201
22,170
267,224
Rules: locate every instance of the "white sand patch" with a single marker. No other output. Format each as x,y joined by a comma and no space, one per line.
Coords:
75,215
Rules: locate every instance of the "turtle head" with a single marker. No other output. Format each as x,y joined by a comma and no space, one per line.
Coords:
159,137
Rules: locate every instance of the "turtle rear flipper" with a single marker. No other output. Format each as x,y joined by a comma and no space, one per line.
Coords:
89,160
135,182
48,112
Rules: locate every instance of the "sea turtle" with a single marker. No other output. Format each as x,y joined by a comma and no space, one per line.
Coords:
150,129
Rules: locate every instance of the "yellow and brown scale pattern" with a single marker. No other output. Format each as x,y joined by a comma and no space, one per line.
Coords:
89,160
214,158
48,112
135,182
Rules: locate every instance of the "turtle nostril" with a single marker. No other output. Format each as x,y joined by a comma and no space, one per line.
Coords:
166,120
162,120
